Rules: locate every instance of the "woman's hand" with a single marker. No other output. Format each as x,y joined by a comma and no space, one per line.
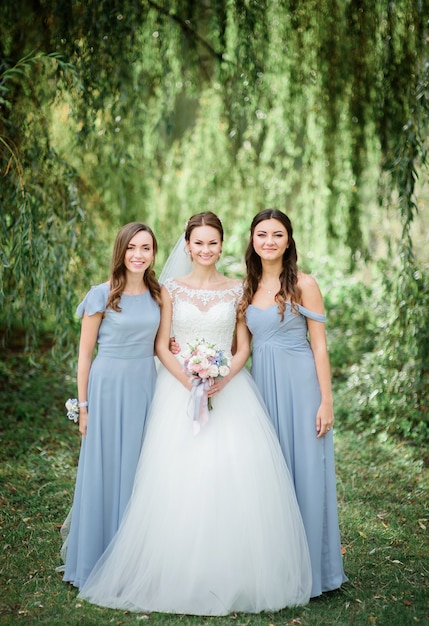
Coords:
174,346
216,385
83,420
324,419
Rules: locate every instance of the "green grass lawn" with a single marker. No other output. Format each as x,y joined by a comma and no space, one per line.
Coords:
383,492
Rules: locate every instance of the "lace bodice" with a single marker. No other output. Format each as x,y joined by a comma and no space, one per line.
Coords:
203,314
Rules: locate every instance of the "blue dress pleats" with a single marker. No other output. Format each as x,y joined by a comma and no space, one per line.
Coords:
121,385
284,370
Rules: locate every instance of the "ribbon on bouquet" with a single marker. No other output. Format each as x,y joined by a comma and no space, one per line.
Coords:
198,408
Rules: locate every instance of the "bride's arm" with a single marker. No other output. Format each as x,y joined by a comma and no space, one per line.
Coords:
162,342
242,348
238,361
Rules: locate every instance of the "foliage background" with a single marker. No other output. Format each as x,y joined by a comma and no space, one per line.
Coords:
155,110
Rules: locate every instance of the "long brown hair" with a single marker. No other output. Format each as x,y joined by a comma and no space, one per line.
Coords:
289,289
118,270
206,218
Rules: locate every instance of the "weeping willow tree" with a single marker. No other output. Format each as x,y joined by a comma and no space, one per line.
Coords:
146,110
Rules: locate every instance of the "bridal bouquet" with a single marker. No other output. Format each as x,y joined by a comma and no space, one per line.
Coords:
203,362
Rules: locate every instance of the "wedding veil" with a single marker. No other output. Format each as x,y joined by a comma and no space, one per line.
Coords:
178,263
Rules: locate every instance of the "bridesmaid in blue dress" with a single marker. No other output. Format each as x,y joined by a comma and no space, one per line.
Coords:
115,390
290,365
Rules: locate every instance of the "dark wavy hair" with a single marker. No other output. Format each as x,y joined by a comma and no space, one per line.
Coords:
289,289
118,270
206,218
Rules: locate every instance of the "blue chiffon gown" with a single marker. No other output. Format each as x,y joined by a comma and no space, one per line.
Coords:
212,526
121,385
284,370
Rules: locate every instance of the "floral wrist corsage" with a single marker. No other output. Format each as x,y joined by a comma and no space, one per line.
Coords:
72,406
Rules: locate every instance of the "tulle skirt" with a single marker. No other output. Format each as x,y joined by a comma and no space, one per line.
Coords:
212,526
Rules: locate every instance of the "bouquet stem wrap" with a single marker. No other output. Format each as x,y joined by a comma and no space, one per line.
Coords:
198,407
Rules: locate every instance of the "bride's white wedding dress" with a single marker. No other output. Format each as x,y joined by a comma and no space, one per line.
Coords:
212,526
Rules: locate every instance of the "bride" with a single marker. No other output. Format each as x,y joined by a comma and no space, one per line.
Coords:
212,526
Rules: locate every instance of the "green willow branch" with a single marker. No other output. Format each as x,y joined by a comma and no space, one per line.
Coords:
186,26
10,148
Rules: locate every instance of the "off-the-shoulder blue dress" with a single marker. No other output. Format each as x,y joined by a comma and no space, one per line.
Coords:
284,370
120,389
